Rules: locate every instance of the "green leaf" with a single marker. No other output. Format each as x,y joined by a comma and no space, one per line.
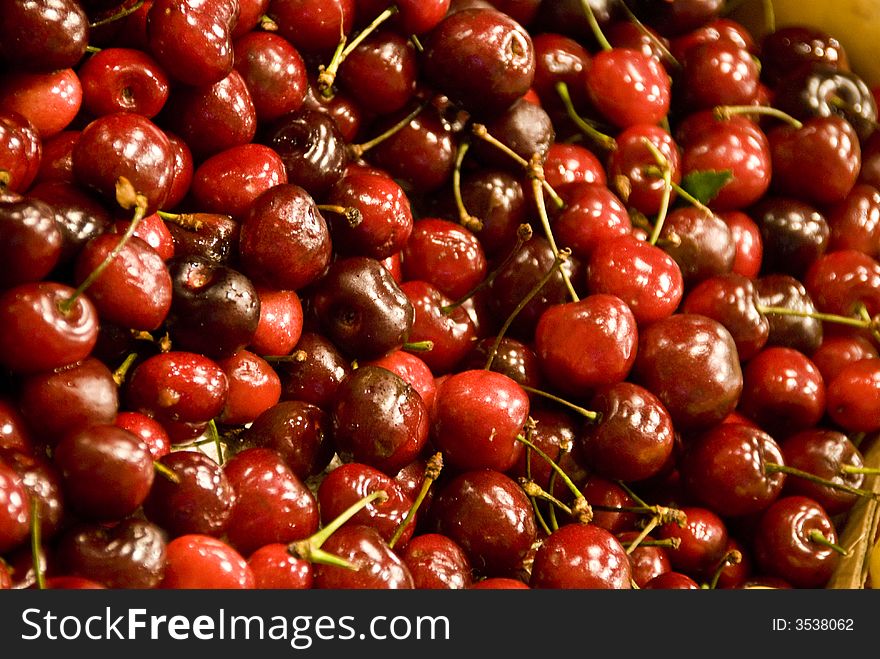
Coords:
705,185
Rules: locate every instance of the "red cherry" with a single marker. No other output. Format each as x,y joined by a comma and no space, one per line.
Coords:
413,370
254,387
281,322
718,72
274,72
836,352
853,396
591,215
437,562
376,566
275,568
149,430
749,244
312,26
15,515
630,165
21,151
703,540
581,556
123,80
840,280
628,87
50,100
196,561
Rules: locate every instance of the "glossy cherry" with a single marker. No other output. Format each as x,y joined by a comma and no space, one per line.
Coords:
581,556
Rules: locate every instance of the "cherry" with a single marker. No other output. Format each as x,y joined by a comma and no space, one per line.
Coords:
672,580
181,170
509,356
499,583
853,394
836,352
495,197
123,80
384,211
14,435
629,34
372,564
436,562
591,215
410,17
45,327
106,471
16,513
49,100
254,387
793,234
281,322
489,517
135,288
560,59
647,560
801,331
413,370
477,418
361,308
632,438
378,419
214,309
703,538
275,568
273,71
272,504
586,344
606,497
193,41
732,300
351,482
828,143
30,241
628,87
826,454
749,244
197,561
312,26
717,29
299,432
701,243
208,235
177,386
481,59
64,400
129,145
792,542
839,281
690,363
631,165
525,128
641,274
149,430
21,151
152,230
72,583
285,242
58,33
228,182
554,433
54,165
783,390
724,469
854,223
567,164
130,554
581,556
683,17
717,73
212,118
316,377
790,47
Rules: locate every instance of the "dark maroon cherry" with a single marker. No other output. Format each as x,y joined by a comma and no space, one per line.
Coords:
129,555
703,539
361,308
489,517
376,566
106,471
21,151
15,515
512,358
690,363
480,58
436,562
274,72
496,198
700,243
316,377
789,48
44,35
801,331
793,234
378,419
581,556
30,241
210,235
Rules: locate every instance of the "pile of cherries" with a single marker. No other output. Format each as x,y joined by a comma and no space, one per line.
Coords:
509,294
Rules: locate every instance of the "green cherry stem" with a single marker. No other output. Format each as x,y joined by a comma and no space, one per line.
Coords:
351,214
594,25
297,357
418,346
214,435
165,472
853,469
532,489
818,315
37,544
589,414
666,171
464,217
733,557
356,151
310,550
726,111
432,473
775,468
122,13
187,221
820,539
580,509
122,370
650,526
591,132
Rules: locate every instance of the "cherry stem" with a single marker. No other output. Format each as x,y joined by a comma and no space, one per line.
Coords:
214,436
414,40
853,469
594,25
355,151
532,489
464,217
185,220
419,346
523,235
580,509
769,15
483,133
93,49
165,472
36,543
123,192
826,317
122,370
297,356
5,177
268,24
601,139
432,472
536,174
657,43
775,468
663,543
557,262
538,514
727,111
128,11
666,171
733,557
684,194
327,75
821,539
309,549
589,414
650,526
352,215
